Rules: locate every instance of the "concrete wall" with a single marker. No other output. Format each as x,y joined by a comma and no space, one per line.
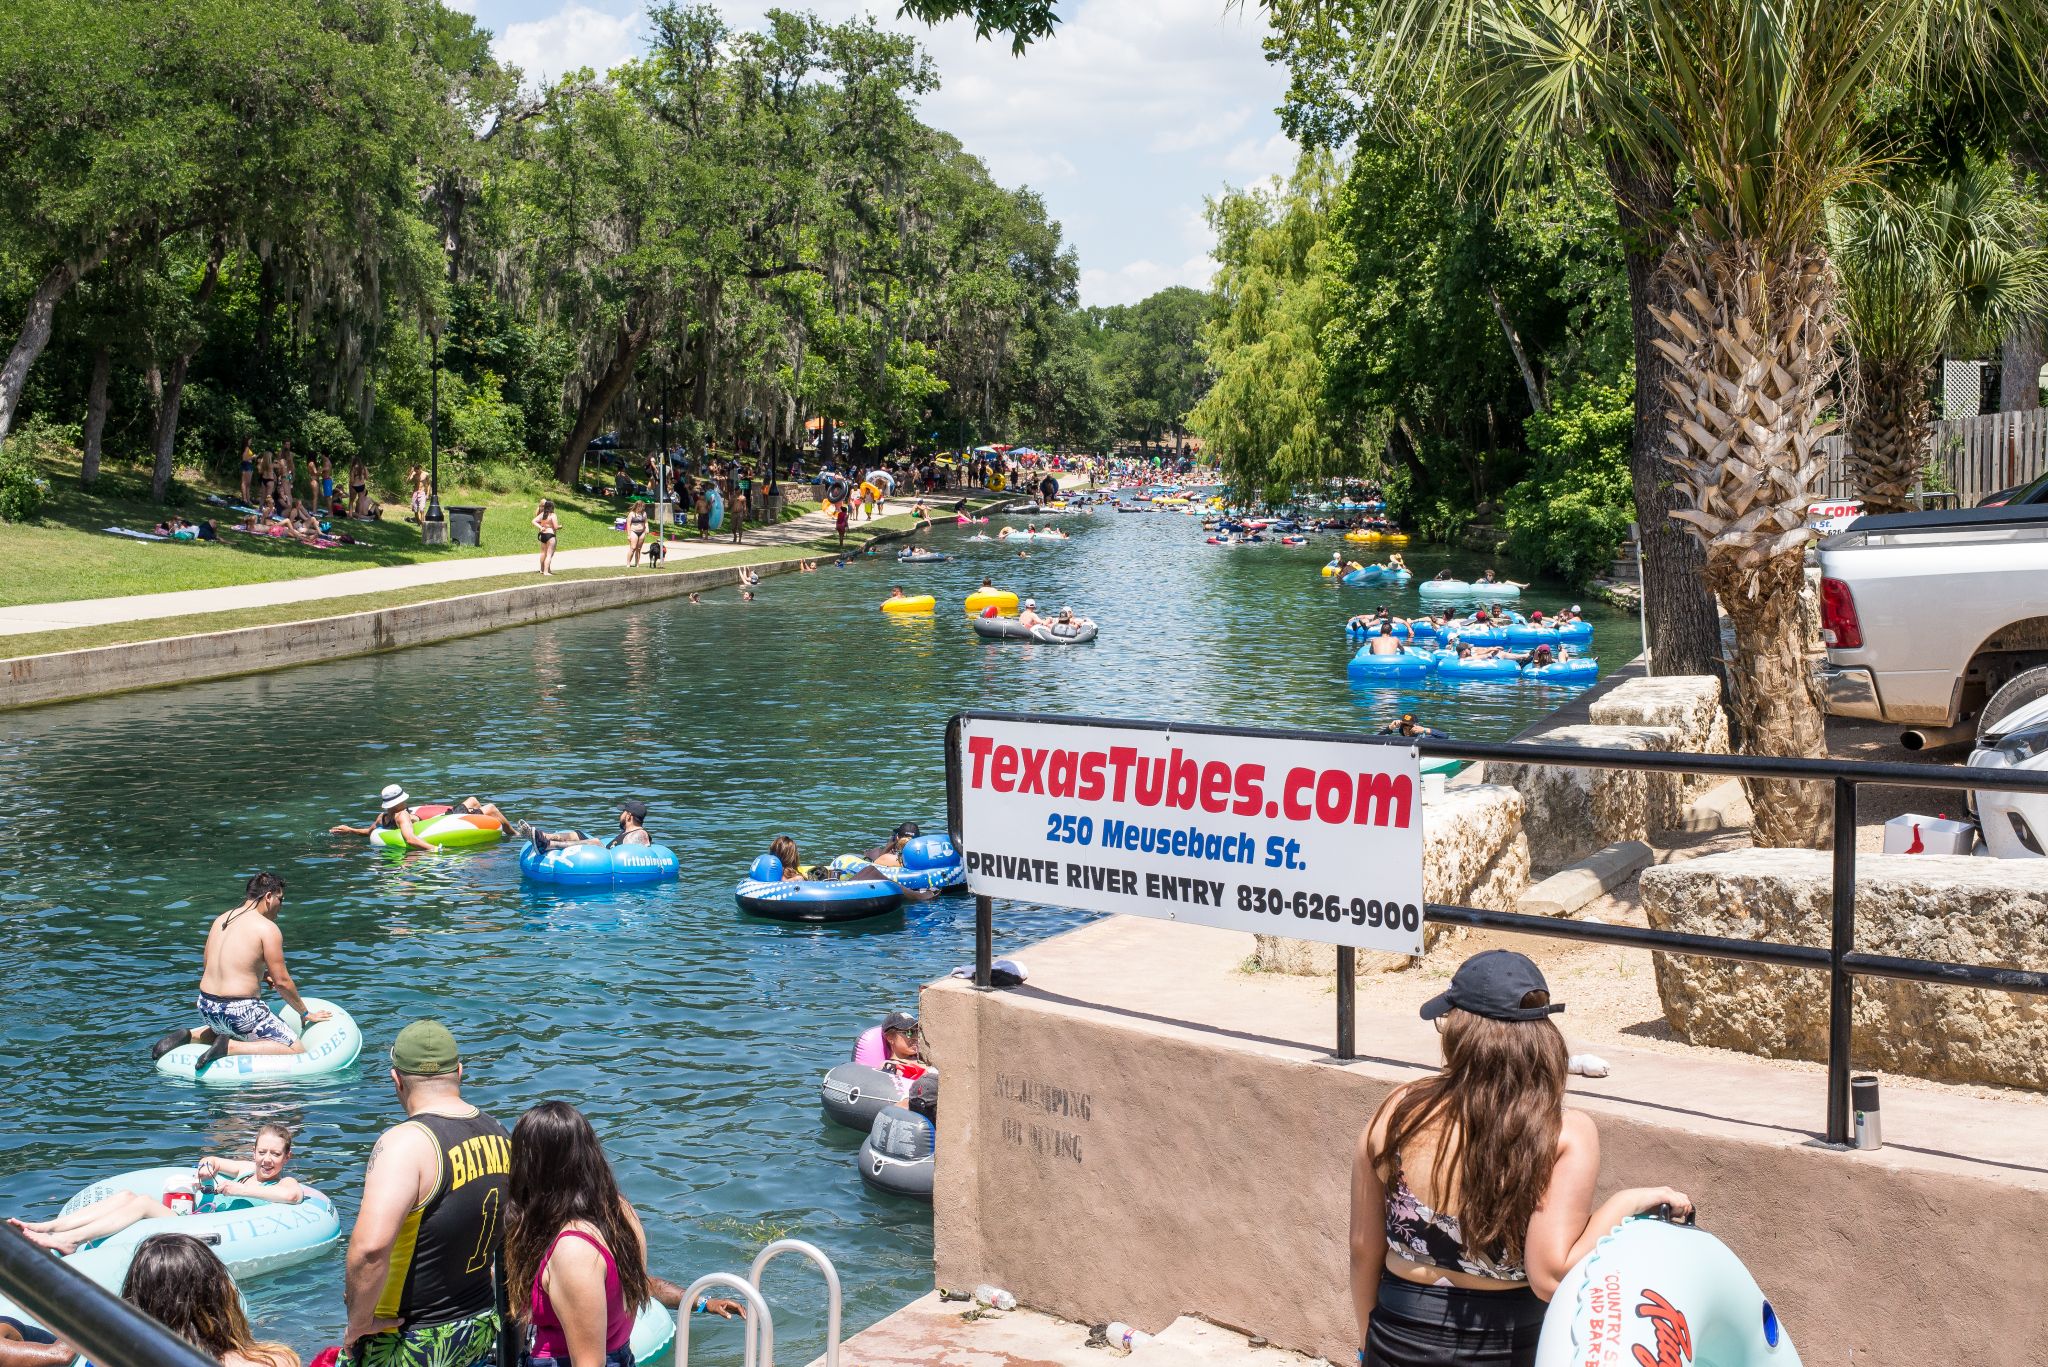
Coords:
32,680
1104,1162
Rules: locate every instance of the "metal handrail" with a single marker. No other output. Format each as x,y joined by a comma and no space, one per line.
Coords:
1842,961
104,1328
834,1300
760,1324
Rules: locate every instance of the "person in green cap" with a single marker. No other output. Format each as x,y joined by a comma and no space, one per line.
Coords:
418,1278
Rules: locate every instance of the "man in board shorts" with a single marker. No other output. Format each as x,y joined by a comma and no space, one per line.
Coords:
243,948
418,1282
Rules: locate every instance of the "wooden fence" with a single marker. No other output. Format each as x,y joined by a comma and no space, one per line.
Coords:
1972,457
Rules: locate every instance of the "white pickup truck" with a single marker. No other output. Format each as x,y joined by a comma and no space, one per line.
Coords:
1926,615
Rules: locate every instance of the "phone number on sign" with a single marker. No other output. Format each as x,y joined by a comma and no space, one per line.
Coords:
1317,906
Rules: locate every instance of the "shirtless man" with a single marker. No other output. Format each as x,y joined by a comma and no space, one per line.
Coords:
243,948
1029,616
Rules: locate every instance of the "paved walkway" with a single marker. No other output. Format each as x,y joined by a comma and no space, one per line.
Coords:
88,612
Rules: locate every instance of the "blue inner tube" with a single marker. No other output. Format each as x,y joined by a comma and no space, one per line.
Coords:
1579,671
1406,665
1449,666
1403,631
597,866
1483,636
843,899
931,863
1522,635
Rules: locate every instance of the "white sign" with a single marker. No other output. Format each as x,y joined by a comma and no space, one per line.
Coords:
1829,518
1315,840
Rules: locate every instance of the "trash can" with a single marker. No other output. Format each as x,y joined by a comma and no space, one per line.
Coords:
465,525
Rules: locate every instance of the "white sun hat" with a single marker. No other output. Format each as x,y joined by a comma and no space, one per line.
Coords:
394,797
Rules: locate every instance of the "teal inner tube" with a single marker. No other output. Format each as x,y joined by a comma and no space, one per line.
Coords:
1650,1283
331,1046
252,1237
599,865
1407,665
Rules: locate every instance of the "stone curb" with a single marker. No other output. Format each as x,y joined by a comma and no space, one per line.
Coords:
1602,871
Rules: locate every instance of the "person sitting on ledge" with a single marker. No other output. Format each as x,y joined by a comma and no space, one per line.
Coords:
1472,1190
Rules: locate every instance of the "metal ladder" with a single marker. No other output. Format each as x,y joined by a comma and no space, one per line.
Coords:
760,1345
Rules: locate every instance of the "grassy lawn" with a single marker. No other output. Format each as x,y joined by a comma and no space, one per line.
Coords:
65,556
122,633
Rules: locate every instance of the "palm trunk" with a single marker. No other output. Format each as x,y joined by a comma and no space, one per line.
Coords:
96,414
1751,336
1684,629
1888,435
2020,360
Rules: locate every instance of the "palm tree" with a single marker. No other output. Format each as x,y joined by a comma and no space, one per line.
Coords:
1759,107
1950,265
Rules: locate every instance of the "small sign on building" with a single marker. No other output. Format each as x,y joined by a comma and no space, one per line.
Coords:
1311,838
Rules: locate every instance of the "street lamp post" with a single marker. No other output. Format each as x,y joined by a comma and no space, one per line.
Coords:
434,526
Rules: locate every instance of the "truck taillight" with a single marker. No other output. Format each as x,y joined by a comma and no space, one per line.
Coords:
1838,624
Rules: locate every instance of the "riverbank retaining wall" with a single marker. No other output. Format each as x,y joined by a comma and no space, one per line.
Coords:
1142,1132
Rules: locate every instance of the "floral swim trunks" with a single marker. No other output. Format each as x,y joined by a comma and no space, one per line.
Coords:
243,1018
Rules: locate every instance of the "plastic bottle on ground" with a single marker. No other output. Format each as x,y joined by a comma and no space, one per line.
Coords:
1122,1336
995,1297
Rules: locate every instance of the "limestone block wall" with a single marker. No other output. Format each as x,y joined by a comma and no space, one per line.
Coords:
1570,812
1954,909
1473,854
1689,704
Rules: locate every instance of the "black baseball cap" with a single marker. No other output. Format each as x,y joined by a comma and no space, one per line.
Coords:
1492,984
634,808
909,829
901,1021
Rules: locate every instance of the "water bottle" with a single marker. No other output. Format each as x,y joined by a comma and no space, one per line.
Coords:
994,1297
1123,1336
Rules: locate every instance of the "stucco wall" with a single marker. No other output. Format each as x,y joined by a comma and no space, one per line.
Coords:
1107,1163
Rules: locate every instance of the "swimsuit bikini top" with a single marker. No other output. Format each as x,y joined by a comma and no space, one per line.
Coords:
1430,1238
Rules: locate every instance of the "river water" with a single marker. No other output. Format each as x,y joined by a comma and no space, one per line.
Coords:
692,1037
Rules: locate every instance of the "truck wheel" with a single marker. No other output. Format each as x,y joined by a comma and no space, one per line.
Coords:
2015,693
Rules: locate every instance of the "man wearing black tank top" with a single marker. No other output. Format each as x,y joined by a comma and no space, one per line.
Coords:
419,1288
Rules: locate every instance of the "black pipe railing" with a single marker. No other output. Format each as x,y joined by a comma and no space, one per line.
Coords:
103,1327
1840,959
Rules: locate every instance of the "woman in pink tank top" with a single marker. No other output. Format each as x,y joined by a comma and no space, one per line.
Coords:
573,1243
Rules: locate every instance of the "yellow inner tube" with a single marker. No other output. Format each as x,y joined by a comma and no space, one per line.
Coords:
1002,600
922,602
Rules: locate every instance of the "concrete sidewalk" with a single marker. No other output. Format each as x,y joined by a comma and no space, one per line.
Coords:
88,612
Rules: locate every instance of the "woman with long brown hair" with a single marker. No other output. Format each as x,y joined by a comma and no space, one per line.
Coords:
575,1255
178,1281
1472,1190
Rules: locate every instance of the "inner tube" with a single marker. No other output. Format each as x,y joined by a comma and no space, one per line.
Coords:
1049,633
331,1045
600,866
445,830
1449,666
1483,636
1368,574
1406,665
922,558
897,1155
805,899
931,863
1002,600
910,604
1650,1285
1581,669
654,1329
252,1237
1403,631
1570,634
853,1094
1461,588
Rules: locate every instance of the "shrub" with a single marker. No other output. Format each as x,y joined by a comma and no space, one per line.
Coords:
23,490
1572,513
324,432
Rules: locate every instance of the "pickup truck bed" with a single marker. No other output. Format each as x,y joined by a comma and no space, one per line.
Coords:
1925,614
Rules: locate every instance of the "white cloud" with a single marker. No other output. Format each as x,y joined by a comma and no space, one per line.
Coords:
1123,120
574,36
1136,279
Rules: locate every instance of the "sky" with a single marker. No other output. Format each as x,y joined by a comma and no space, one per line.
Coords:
1125,120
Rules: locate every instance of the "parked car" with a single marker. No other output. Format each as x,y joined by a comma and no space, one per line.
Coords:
1927,615
2033,491
2013,734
